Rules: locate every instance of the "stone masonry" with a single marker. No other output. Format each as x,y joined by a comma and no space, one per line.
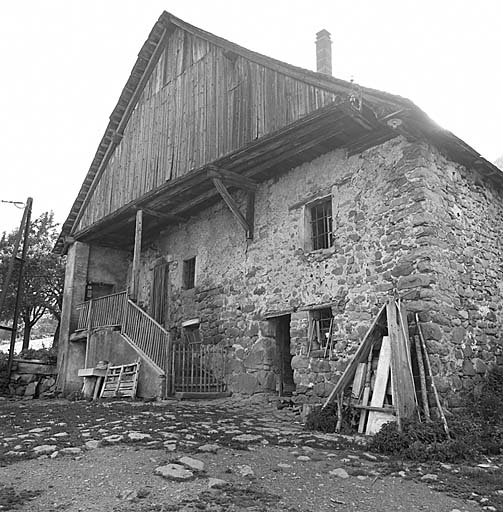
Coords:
407,222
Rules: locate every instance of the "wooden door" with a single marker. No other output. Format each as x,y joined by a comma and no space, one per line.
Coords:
159,294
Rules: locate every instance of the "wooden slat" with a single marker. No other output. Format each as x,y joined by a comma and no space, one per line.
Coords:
375,418
359,380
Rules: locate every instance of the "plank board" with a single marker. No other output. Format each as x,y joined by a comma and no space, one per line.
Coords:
359,380
401,374
375,418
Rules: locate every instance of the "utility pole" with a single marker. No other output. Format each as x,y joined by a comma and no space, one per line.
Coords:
23,233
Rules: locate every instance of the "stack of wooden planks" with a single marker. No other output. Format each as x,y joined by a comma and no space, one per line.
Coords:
378,382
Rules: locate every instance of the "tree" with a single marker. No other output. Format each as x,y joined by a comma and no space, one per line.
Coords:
43,275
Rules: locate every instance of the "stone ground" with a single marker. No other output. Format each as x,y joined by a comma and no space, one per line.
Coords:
225,455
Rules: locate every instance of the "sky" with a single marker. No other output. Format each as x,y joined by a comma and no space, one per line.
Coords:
65,62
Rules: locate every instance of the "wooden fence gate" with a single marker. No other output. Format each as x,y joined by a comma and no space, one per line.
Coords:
197,369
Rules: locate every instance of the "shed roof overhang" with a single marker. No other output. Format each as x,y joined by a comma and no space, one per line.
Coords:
332,127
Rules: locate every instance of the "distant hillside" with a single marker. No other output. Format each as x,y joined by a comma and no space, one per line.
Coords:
499,162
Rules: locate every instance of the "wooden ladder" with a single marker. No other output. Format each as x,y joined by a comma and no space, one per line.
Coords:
121,381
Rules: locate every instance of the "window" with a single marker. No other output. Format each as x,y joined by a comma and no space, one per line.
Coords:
320,329
189,273
321,224
190,331
97,290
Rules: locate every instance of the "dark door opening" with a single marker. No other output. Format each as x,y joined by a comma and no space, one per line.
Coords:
159,301
286,383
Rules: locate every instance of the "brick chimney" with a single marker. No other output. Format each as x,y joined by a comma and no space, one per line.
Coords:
324,52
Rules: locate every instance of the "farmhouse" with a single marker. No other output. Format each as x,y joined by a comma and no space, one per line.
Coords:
244,220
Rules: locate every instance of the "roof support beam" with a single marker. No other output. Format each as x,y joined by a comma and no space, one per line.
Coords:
163,216
234,208
232,178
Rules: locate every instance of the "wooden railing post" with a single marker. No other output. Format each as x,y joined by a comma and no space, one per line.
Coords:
90,315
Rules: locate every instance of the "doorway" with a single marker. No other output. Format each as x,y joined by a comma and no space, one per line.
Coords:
159,299
284,357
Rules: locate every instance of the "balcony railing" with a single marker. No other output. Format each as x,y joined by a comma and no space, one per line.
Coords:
138,327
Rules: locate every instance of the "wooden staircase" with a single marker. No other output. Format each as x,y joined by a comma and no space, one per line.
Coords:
150,340
191,369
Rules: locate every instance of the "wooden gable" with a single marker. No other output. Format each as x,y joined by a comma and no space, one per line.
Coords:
194,101
201,101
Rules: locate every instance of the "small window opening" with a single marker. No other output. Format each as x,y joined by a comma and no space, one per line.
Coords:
321,329
97,290
321,225
190,331
189,273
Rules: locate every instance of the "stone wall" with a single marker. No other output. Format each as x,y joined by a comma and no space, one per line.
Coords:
29,379
397,231
463,310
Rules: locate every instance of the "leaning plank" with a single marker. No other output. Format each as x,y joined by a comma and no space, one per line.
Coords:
402,380
376,419
358,380
359,357
366,393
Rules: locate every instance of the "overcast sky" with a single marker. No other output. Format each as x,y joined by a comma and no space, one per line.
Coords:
65,62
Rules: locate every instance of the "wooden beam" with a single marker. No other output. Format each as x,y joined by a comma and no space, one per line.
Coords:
232,178
250,215
135,274
234,208
163,215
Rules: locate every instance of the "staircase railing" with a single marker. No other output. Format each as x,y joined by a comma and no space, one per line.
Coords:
146,334
138,327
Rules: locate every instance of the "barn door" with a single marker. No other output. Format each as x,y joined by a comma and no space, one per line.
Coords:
159,294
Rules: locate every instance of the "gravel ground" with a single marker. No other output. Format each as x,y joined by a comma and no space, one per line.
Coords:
107,456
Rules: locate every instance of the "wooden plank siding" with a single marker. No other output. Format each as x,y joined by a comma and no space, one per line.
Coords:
199,104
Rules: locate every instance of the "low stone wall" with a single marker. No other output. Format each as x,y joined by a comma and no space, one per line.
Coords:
30,379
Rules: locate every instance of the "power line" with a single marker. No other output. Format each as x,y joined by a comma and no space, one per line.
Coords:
17,204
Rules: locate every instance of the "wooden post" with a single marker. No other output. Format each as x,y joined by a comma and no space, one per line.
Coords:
422,377
135,274
19,293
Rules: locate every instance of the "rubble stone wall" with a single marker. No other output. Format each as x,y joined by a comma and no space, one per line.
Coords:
389,229
463,223
29,379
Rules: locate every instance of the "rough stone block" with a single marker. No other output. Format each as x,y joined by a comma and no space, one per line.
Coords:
479,365
266,380
431,331
414,281
468,368
320,365
31,389
262,352
244,383
299,362
458,334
